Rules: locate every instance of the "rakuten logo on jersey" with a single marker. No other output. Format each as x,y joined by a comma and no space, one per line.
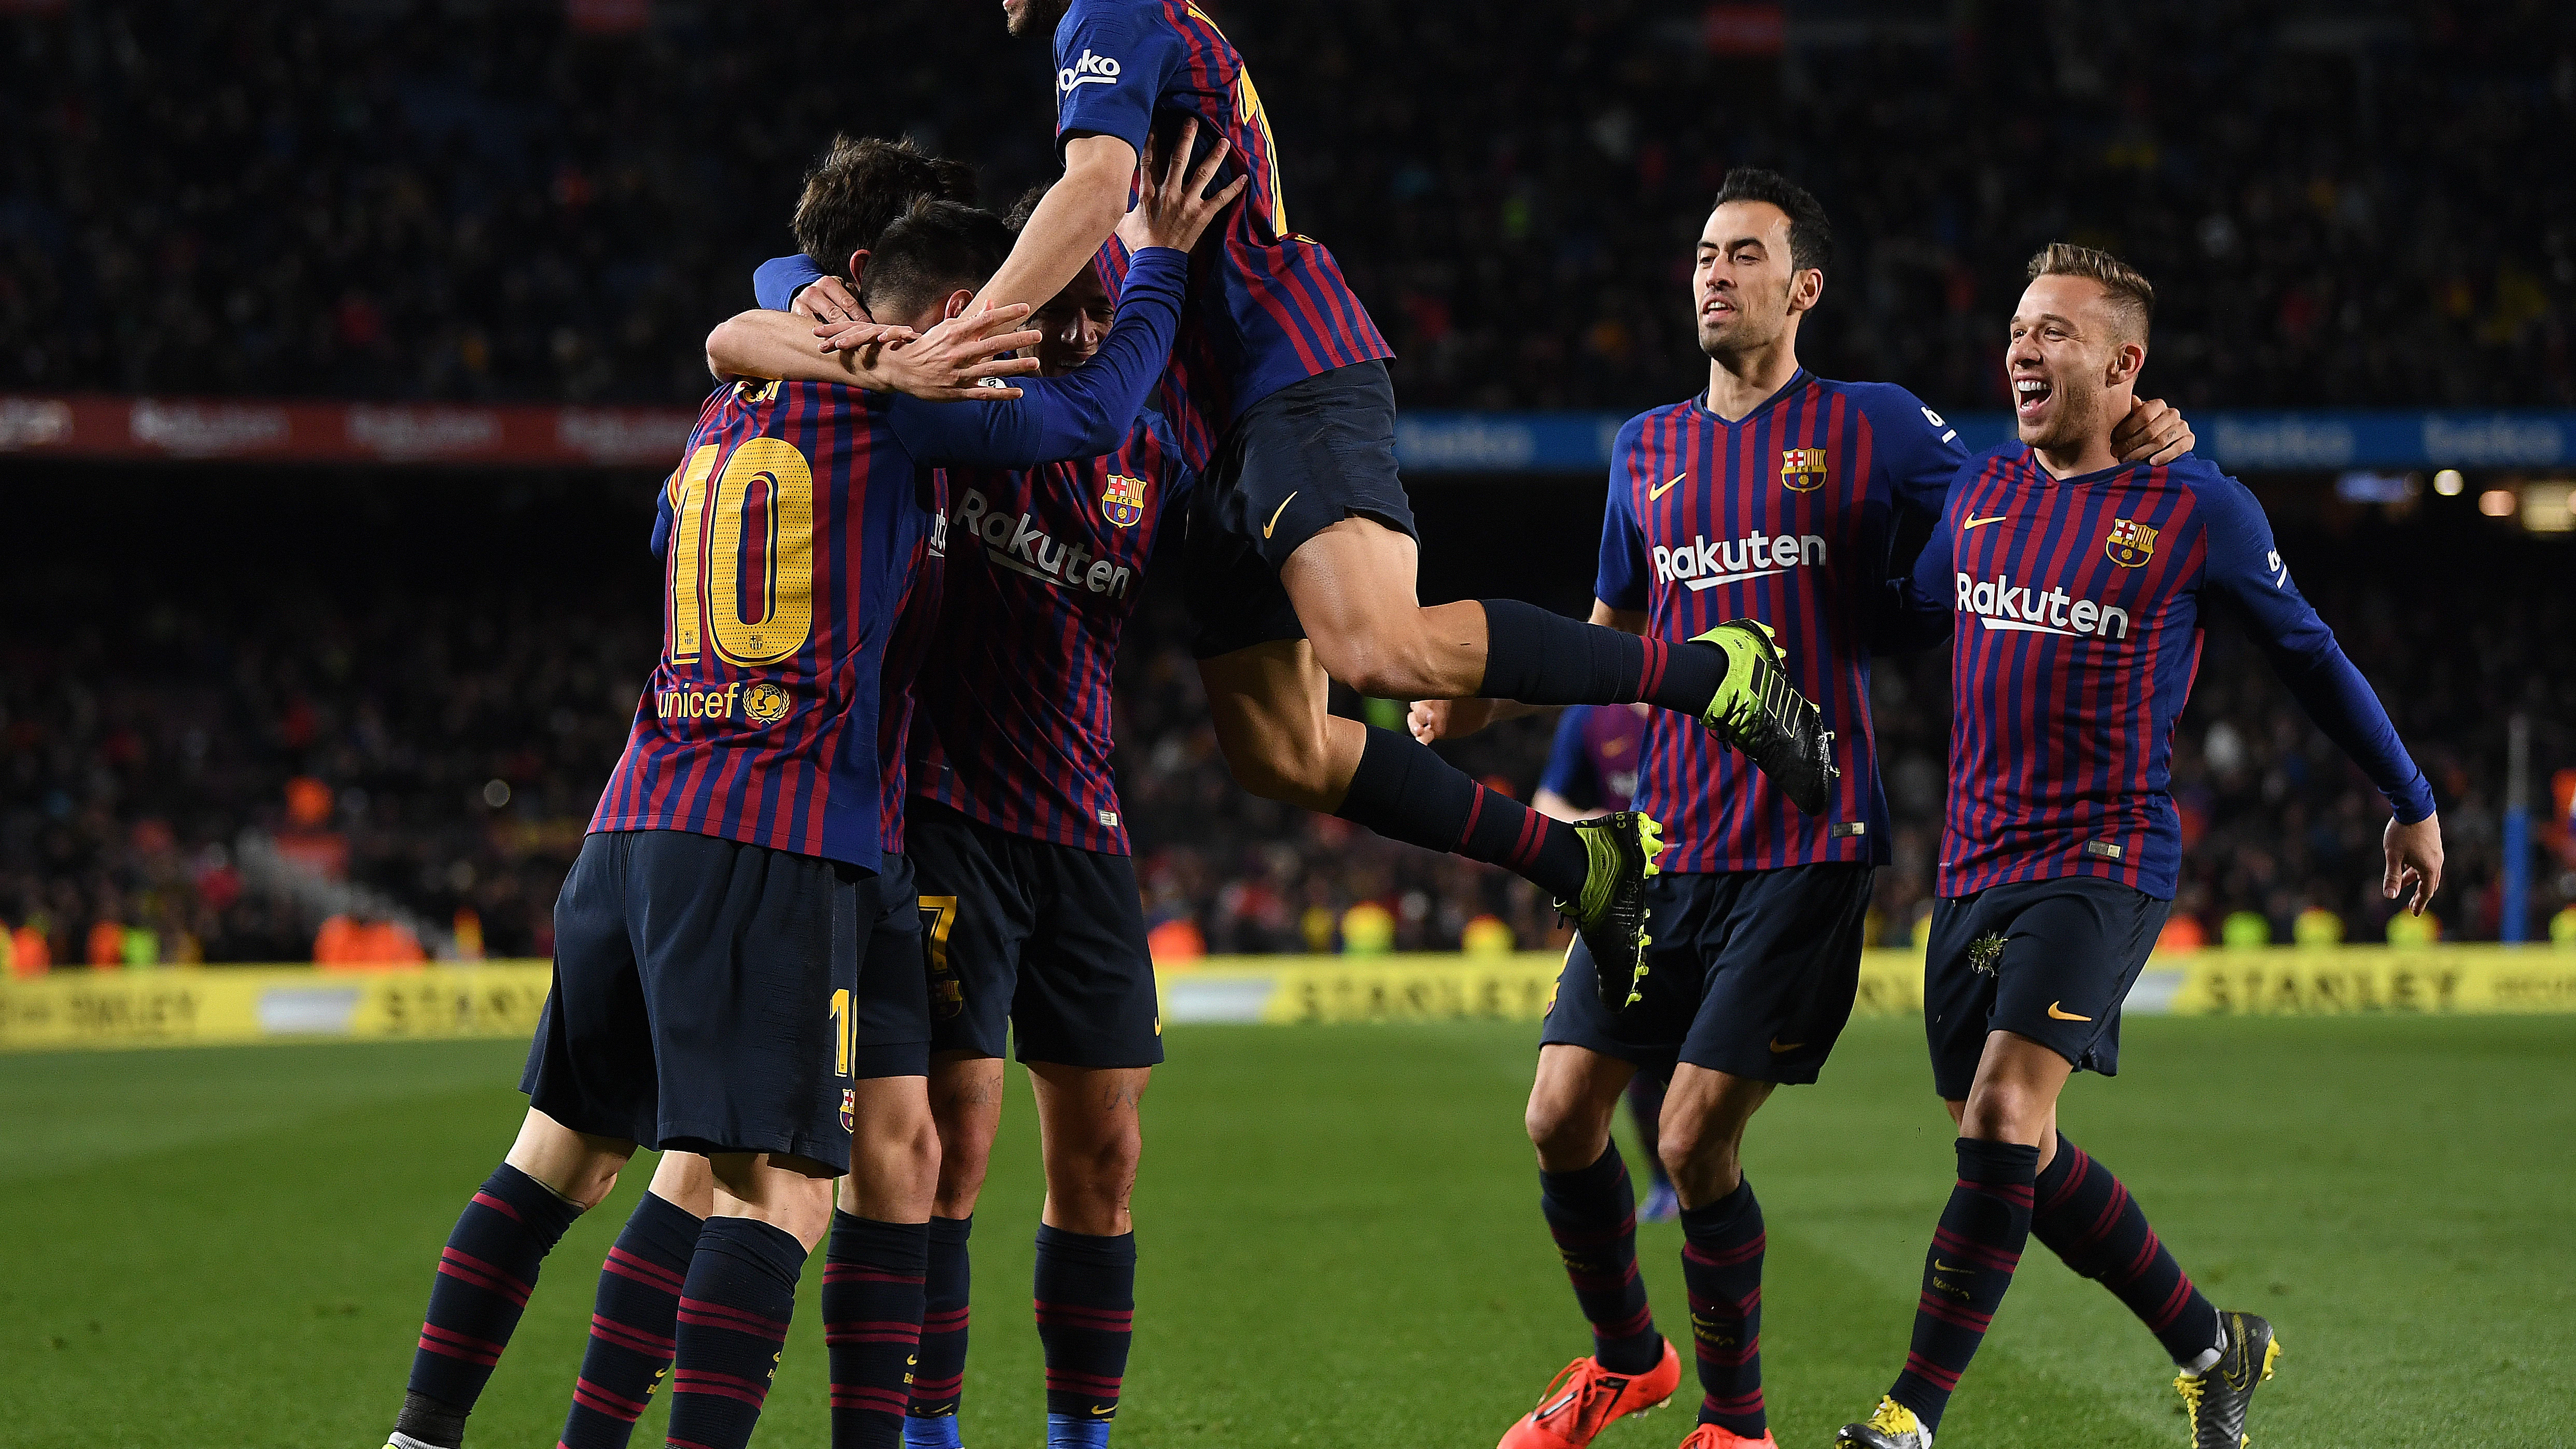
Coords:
1022,547
1090,70
1700,564
1998,603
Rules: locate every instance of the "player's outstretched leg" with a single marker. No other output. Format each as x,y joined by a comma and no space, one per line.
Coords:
489,1267
637,1312
1268,703
1352,585
2087,1217
1584,1193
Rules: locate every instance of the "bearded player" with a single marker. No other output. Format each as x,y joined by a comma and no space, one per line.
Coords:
2078,586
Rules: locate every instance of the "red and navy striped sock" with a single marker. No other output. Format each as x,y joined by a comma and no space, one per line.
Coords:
1974,1252
484,1277
734,1310
1722,1264
1404,791
1086,1311
939,1380
1592,1214
2087,1217
631,1324
872,1294
1540,657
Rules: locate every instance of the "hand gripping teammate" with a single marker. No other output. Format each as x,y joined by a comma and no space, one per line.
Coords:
1301,548
1772,495
2077,585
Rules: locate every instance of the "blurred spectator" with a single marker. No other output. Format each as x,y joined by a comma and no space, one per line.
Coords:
436,198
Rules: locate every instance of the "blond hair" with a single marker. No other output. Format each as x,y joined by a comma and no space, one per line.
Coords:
2131,295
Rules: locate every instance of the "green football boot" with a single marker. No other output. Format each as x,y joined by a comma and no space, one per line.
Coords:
1761,713
1892,1427
1611,917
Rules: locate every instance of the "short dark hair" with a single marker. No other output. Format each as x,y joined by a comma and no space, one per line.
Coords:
934,248
860,186
2132,296
1026,206
1811,237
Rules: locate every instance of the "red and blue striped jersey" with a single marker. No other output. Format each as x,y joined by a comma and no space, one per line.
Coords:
1594,761
791,533
1044,570
2078,606
1783,516
916,629
1268,307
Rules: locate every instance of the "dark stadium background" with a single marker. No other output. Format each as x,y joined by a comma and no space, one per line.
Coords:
2345,206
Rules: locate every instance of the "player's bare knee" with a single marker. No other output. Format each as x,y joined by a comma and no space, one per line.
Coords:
1384,656
1567,1132
1281,765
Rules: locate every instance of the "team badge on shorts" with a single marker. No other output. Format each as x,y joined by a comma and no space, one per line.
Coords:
1802,470
1123,501
765,703
2129,543
849,1109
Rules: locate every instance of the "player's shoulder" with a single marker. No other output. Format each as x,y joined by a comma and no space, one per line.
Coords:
1875,398
2220,499
1125,14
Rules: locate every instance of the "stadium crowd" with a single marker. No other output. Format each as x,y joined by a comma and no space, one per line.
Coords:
456,199
441,749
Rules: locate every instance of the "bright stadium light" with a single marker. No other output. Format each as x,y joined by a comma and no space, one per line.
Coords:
2549,507
2498,503
2448,483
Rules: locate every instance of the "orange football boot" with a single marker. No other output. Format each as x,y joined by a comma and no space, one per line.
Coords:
1584,1397
1710,1436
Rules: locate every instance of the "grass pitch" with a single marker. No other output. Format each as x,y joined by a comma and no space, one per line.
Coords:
1341,1245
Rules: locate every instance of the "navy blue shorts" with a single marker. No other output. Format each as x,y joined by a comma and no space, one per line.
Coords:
1294,464
1043,942
1750,972
2047,959
707,995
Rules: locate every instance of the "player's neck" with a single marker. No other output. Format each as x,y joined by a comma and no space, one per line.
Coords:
1740,382
2092,455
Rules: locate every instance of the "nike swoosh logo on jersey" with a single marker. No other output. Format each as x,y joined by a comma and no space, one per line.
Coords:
1975,522
1654,493
2061,1015
1274,513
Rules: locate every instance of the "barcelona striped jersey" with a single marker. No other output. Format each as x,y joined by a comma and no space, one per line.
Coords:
1784,517
1044,570
2078,606
791,535
1593,762
1268,307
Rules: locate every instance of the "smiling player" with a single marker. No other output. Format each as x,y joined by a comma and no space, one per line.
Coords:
2078,586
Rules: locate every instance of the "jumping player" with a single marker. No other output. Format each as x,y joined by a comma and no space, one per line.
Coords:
1301,550
1772,495
2078,586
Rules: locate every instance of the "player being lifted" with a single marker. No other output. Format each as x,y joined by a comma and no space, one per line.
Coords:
1301,549
2078,586
1769,496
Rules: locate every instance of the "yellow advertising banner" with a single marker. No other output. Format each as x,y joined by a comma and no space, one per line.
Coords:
217,1005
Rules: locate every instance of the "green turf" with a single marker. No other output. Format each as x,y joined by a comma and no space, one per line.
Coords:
1341,1245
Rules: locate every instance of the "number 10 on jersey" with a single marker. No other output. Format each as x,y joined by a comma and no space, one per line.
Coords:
742,553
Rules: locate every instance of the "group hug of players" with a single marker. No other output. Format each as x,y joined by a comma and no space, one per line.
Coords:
865,828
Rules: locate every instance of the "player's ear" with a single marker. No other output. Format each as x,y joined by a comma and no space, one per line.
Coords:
2128,359
1806,289
858,270
957,303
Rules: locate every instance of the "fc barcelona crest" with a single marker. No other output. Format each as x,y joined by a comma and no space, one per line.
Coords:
849,1109
1802,470
1123,501
2129,543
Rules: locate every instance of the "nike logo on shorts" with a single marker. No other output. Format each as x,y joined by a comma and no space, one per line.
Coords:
1282,508
2062,1015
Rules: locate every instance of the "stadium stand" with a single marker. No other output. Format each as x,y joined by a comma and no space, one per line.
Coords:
427,731
416,199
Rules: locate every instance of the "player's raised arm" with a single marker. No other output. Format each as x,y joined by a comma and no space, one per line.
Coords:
2245,568
1092,409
